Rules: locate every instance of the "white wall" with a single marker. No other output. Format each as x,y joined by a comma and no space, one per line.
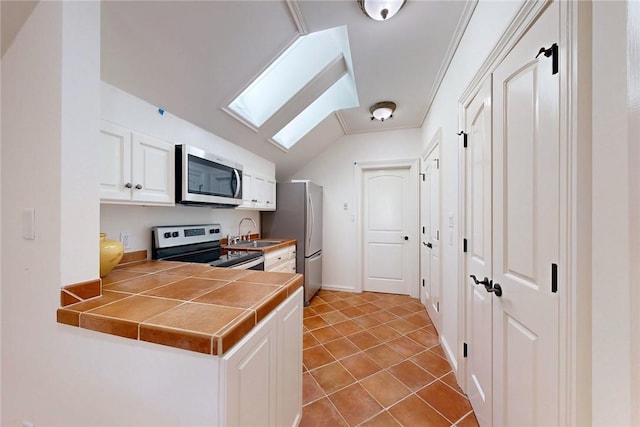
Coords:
137,220
613,286
487,24
54,374
633,78
134,113
1,381
334,170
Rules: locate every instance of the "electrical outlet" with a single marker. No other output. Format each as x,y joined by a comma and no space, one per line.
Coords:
125,239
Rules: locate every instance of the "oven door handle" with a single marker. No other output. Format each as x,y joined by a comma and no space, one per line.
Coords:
247,265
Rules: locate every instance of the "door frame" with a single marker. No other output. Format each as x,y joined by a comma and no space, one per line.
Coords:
414,195
573,185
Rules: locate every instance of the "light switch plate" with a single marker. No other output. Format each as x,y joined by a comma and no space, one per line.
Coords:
29,223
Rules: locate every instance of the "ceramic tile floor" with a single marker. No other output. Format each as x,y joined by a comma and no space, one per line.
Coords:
373,359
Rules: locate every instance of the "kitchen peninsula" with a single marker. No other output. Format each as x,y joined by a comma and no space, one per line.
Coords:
249,321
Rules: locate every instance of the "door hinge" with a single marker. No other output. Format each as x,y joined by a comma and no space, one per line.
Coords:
553,53
464,245
465,349
423,283
437,234
464,138
422,175
554,278
438,306
423,229
437,163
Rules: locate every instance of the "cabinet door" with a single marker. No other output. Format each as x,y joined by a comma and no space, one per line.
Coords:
115,162
274,260
250,382
289,393
247,189
153,170
259,186
270,194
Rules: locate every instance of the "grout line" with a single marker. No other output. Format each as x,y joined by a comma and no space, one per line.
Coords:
410,306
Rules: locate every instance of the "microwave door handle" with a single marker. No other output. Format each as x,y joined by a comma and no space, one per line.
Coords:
238,188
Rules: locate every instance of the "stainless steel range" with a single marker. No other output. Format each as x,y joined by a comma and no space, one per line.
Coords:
199,243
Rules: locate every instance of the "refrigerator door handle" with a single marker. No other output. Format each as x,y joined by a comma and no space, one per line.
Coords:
313,218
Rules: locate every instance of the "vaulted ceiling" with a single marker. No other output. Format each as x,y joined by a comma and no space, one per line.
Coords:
192,58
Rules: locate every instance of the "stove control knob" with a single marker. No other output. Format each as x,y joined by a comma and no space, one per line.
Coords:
167,235
175,234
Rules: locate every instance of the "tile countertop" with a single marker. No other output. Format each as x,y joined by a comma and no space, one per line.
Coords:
190,306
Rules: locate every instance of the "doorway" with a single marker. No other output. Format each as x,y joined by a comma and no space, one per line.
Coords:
431,286
387,195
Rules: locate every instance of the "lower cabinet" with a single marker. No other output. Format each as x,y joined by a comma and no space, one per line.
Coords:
261,377
281,260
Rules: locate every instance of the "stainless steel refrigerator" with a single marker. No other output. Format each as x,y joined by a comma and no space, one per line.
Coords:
298,215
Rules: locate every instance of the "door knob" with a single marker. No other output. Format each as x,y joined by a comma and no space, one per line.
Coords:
138,187
496,289
429,245
406,237
128,185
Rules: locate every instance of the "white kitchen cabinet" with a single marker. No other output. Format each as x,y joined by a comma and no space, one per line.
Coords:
269,191
289,359
258,192
279,260
262,374
250,383
135,168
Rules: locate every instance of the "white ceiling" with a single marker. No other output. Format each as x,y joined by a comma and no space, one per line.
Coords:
193,57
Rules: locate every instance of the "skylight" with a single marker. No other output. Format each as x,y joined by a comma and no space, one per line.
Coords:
289,75
340,95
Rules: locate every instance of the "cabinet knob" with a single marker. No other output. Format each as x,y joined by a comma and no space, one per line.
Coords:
138,187
128,185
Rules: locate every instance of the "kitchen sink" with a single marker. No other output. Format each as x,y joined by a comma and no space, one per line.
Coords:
257,243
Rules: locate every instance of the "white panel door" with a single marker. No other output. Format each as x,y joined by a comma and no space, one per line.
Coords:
425,253
115,162
153,170
431,236
478,259
386,221
526,230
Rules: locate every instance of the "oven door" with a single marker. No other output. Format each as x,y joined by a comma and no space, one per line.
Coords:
252,264
203,178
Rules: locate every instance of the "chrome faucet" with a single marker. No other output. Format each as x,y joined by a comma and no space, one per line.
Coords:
255,226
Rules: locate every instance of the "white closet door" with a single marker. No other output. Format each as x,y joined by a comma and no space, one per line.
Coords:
479,258
526,230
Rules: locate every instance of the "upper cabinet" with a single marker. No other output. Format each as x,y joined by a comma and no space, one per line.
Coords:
258,192
135,168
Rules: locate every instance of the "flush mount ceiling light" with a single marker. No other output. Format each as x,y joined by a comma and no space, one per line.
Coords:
382,110
380,10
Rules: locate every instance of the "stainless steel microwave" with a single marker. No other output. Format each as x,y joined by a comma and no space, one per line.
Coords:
206,179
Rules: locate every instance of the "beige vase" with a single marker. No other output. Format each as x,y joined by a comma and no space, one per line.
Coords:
111,252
